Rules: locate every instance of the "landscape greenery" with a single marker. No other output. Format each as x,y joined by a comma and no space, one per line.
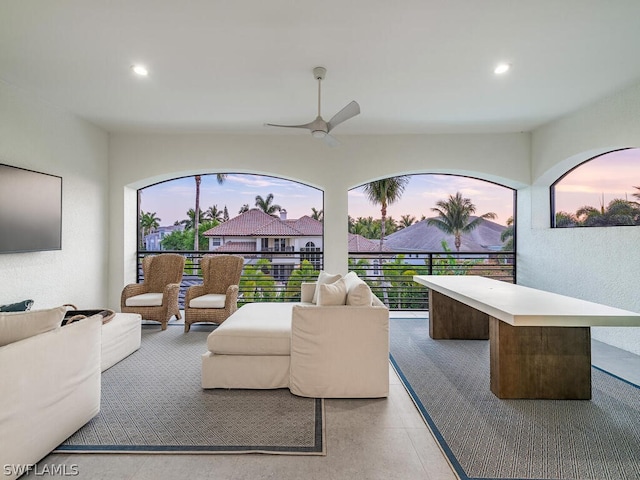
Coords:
394,281
617,212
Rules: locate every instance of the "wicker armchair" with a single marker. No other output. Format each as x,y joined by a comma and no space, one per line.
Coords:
157,297
216,299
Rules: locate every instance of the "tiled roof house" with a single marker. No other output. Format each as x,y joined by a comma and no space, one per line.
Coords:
256,234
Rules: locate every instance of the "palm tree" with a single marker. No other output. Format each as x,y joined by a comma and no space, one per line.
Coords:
565,219
149,222
221,177
267,205
317,214
189,222
406,221
212,213
385,192
507,236
196,215
454,217
617,212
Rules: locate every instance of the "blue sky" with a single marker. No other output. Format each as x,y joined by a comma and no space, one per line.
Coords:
171,200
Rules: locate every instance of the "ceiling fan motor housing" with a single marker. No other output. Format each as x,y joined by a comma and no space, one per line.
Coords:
319,73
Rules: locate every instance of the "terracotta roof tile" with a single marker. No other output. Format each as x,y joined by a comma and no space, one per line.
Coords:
256,223
237,247
276,228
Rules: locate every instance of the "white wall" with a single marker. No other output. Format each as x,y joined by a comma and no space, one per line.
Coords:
38,136
137,160
597,264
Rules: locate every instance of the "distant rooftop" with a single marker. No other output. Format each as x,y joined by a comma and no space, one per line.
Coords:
256,223
424,237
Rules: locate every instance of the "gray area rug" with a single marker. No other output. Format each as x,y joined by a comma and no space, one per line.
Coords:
488,438
152,402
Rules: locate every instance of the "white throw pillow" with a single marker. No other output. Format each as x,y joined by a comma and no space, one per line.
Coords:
17,326
332,293
324,278
360,295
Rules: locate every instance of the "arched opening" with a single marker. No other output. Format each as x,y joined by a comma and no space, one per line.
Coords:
599,192
275,224
429,224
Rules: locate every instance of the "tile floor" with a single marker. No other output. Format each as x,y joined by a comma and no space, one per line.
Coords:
366,439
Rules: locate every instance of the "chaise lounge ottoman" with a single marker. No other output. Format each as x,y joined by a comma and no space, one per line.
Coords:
121,336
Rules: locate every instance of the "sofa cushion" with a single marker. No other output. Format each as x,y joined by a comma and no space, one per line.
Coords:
15,326
144,300
358,292
324,278
254,329
360,295
210,300
332,293
22,306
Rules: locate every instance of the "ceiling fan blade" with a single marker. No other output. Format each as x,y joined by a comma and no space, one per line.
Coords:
331,141
306,125
351,110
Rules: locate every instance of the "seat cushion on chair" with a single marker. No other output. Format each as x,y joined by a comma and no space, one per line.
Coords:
210,300
145,300
255,329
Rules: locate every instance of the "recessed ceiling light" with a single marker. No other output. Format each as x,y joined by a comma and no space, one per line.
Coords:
502,68
140,70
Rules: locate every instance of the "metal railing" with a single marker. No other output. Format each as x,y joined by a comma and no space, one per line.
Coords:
390,274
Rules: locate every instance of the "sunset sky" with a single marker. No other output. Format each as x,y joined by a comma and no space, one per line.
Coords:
612,176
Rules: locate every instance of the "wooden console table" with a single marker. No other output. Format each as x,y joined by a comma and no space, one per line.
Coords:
540,342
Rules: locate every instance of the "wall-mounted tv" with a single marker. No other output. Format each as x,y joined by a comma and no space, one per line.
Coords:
30,210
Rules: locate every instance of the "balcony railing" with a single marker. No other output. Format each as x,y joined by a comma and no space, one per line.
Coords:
390,275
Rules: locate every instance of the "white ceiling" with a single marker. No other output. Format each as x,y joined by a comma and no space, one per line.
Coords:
414,66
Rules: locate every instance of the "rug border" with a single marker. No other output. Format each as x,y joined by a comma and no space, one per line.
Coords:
442,443
319,447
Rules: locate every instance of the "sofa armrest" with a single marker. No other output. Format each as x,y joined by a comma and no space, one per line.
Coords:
307,289
50,386
339,351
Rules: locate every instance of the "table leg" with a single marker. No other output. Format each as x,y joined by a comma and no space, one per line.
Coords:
450,319
540,362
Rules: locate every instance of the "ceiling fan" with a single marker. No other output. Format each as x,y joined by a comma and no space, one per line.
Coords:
319,128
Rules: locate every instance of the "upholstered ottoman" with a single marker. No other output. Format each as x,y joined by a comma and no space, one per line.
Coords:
120,338
251,349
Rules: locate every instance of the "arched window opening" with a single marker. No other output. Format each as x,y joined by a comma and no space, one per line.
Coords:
603,191
274,223
429,224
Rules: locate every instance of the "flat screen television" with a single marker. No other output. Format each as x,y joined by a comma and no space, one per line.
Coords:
30,210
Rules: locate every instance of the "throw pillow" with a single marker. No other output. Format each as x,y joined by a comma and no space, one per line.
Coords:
359,295
324,278
15,326
22,306
332,293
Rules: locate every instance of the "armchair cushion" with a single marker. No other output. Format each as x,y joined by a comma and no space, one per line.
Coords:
210,300
17,326
145,300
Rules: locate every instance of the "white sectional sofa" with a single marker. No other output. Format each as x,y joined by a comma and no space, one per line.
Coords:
50,384
327,349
